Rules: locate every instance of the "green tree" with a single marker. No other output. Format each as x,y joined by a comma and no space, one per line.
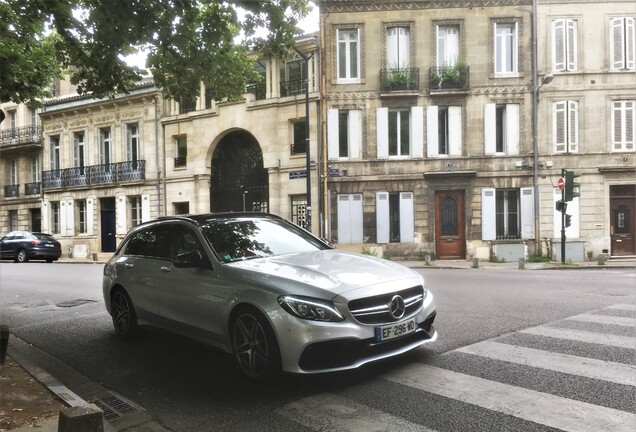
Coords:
188,41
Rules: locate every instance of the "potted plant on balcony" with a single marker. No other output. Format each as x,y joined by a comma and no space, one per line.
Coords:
397,78
448,76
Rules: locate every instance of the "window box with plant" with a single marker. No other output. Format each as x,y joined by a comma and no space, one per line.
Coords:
453,76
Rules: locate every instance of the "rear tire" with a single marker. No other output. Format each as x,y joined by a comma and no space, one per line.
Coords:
123,313
22,256
254,345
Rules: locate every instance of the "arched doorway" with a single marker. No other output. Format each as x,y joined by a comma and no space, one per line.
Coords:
239,181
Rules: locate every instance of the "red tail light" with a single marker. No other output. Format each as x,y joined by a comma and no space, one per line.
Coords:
36,242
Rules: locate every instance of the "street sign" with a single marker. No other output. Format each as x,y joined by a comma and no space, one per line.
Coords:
561,183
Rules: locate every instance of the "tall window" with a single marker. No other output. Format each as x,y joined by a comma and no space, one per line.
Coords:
54,152
105,146
14,172
132,142
299,132
447,45
622,43
399,136
348,62
501,126
507,213
506,51
398,47
55,217
13,220
35,169
79,155
292,75
623,116
13,122
181,151
135,210
564,48
299,209
507,209
34,116
344,133
394,217
81,216
444,131
566,126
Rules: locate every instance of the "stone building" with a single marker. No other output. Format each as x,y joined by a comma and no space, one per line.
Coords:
433,146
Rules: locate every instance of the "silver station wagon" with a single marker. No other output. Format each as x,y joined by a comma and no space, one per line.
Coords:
268,292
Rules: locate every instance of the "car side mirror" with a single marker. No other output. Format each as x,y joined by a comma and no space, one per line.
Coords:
188,259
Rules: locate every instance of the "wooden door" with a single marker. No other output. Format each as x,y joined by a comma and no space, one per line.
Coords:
623,220
450,240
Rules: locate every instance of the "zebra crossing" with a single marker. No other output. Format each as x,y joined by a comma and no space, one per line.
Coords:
585,381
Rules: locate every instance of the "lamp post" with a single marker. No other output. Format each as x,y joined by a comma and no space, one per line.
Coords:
306,58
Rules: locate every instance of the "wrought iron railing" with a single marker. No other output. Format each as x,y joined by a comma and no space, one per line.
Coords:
186,106
300,147
400,79
292,88
11,191
32,188
21,135
180,161
94,174
448,77
258,89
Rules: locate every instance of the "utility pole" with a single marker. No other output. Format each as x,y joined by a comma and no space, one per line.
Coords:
306,58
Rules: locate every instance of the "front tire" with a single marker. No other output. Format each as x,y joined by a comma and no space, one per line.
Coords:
123,313
22,256
254,345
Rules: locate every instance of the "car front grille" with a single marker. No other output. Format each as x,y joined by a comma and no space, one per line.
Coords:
375,310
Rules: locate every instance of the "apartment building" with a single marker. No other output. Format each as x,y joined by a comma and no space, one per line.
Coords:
432,147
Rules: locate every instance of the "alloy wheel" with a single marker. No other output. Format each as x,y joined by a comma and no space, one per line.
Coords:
251,346
22,256
124,318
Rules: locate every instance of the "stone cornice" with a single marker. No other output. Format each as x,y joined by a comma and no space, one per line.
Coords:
334,6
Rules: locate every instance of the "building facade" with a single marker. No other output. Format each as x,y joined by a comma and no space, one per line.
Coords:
433,147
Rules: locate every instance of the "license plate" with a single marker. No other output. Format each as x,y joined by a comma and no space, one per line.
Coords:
49,245
392,331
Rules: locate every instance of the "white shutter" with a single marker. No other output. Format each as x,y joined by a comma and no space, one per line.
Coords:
145,207
490,129
404,51
391,48
121,215
512,129
355,134
382,124
90,208
432,137
630,117
559,126
407,229
76,150
45,217
344,219
356,219
382,216
488,214
333,147
441,46
617,126
527,213
571,48
617,47
573,126
630,40
559,48
571,232
455,131
417,132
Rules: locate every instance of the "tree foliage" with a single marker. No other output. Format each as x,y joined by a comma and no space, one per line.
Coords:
188,41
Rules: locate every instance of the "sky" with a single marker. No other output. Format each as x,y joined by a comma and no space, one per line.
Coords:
310,25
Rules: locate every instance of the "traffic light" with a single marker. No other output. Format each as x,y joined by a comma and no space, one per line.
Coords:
572,188
568,220
561,206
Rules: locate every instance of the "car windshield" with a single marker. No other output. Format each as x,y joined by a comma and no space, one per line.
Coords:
241,239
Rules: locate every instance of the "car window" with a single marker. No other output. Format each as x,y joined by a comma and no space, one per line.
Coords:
150,242
42,236
185,240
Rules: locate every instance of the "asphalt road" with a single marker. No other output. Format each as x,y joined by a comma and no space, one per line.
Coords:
517,350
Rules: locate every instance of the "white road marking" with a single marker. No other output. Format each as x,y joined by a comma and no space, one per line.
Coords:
583,336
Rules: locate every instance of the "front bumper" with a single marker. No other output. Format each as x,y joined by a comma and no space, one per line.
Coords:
315,347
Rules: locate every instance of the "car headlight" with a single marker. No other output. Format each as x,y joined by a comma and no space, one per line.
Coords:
310,308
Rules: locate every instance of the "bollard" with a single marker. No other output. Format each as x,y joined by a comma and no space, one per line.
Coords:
94,256
601,259
522,264
87,418
427,259
475,262
4,342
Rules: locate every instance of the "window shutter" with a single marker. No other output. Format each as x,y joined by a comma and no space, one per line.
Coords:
527,213
391,48
89,216
617,126
616,43
355,134
356,219
573,126
558,36
68,225
558,126
490,129
120,215
45,221
332,134
488,214
382,216
407,229
630,114
571,45
344,219
630,40
432,144
455,130
382,120
512,129
404,60
441,46
417,132
76,149
145,207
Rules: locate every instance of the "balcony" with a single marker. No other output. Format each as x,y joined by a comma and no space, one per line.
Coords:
400,79
448,78
292,88
22,136
32,188
95,175
258,89
12,191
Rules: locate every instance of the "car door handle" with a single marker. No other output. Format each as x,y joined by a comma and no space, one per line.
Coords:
128,265
166,269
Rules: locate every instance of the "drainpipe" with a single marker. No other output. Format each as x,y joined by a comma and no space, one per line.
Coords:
535,139
157,156
306,58
323,136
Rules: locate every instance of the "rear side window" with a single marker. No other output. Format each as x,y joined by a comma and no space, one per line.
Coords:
151,242
41,236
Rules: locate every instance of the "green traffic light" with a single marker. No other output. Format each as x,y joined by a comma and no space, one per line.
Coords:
572,189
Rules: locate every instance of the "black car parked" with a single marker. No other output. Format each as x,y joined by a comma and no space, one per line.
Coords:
22,246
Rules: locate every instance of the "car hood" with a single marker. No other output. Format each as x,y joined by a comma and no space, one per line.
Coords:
326,273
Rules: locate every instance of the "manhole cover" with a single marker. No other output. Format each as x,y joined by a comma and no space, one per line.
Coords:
115,406
73,303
